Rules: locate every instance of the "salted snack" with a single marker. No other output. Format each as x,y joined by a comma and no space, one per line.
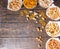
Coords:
30,4
53,43
14,5
53,29
53,12
45,3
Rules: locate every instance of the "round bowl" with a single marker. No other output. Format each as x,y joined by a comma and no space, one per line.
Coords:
56,31
29,3
9,1
56,39
45,3
52,14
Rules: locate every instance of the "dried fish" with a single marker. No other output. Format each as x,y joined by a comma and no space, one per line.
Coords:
37,17
39,45
30,11
43,23
39,39
35,13
27,15
43,15
32,17
21,13
39,29
36,21
26,12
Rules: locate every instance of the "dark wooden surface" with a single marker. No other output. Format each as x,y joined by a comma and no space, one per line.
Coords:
18,33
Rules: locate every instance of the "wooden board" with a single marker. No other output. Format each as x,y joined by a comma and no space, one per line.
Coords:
18,33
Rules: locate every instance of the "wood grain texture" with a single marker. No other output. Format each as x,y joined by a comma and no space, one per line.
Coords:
18,33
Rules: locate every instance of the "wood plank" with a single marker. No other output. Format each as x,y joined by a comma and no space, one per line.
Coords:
18,33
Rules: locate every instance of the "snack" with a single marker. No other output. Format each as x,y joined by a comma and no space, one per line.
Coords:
30,3
53,12
53,29
43,23
14,5
45,3
53,43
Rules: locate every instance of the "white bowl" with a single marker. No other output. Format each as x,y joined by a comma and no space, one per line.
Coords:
12,9
40,3
48,33
49,40
49,15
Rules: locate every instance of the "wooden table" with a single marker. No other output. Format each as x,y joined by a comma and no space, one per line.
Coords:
18,33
